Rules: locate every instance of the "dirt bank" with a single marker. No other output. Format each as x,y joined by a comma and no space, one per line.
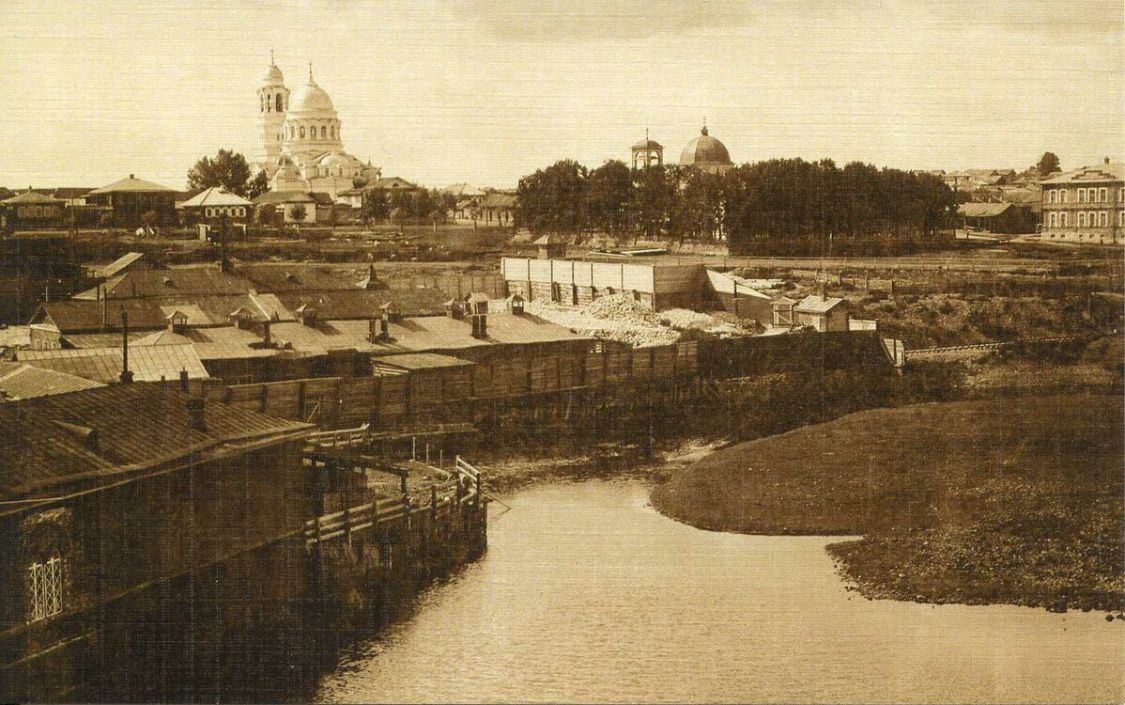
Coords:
505,476
994,501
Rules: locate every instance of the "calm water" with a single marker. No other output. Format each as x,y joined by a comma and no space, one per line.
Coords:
587,594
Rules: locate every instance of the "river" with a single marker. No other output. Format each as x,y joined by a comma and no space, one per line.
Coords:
588,594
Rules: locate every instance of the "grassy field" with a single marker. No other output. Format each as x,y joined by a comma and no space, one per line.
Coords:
997,501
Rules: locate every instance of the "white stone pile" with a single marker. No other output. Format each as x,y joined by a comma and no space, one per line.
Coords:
619,317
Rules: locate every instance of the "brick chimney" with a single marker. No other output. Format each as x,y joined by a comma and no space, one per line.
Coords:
379,329
126,373
456,308
480,325
195,414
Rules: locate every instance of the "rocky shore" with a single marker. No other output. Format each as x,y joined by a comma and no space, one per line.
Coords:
1014,501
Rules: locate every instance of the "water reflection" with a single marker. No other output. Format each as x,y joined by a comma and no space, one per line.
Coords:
587,594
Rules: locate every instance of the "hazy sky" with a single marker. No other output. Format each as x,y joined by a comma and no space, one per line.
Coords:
485,92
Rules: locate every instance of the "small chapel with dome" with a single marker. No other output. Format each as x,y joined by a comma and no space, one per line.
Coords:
301,142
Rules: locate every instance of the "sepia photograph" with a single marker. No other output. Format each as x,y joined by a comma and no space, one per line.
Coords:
590,351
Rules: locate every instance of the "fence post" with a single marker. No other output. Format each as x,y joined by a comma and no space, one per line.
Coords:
433,514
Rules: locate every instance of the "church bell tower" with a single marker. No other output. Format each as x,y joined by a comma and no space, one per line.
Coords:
273,102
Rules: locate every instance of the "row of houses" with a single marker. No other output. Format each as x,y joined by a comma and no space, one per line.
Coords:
1085,205
134,202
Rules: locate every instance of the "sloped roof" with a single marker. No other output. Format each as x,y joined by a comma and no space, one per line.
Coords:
300,276
392,183
498,200
817,304
215,196
549,239
226,343
131,184
982,210
46,448
428,333
463,190
366,304
77,316
102,340
146,283
31,197
1113,171
275,197
724,283
120,264
23,381
148,363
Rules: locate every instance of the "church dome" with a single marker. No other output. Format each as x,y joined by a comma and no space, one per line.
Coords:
273,76
704,151
311,98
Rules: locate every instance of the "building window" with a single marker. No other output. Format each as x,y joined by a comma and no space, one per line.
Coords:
1081,195
302,132
1121,218
1082,219
1065,195
332,132
1053,196
1103,194
277,102
45,589
1103,219
1065,219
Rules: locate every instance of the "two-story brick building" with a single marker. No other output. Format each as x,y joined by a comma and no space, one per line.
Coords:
1085,205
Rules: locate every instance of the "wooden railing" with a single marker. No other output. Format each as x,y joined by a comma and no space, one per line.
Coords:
340,437
463,490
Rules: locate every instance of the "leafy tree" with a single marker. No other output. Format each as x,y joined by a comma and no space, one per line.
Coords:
375,206
267,214
227,169
611,193
298,213
554,199
258,185
699,206
1048,163
654,199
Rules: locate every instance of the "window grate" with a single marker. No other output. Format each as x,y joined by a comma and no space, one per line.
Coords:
46,587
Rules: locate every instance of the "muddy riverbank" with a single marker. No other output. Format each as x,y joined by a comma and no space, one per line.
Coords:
971,502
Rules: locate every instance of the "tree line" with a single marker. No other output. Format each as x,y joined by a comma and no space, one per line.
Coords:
780,205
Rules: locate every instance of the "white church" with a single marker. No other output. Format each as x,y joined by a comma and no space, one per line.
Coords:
302,147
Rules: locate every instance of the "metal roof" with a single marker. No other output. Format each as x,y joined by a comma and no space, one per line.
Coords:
215,196
23,381
274,197
119,264
359,303
131,184
53,444
148,363
982,210
31,197
1113,171
817,304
